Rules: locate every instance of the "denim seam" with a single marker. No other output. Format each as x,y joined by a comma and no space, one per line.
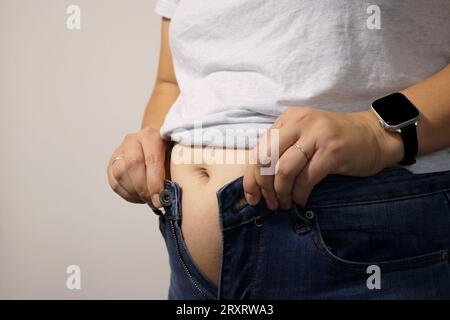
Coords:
254,218
255,259
387,266
447,195
361,202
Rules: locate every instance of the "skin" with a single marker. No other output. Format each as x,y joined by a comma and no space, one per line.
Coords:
199,183
141,173
350,144
345,143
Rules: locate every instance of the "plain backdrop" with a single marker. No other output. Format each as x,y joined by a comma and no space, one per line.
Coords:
67,98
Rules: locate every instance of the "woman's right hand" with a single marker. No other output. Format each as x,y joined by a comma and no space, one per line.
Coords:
136,170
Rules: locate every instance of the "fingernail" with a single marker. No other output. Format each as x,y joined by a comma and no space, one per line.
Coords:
250,199
286,206
270,205
155,200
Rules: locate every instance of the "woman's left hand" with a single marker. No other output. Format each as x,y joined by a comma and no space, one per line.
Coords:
312,144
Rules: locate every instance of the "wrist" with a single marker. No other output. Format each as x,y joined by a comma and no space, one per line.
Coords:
390,144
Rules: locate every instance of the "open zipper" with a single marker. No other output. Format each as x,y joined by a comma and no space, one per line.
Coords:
183,263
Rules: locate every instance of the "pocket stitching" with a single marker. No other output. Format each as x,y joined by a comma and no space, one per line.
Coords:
256,258
356,202
424,260
447,195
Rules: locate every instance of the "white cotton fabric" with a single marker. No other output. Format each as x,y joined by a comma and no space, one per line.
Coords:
239,63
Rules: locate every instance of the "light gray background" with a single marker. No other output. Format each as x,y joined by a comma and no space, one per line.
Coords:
67,98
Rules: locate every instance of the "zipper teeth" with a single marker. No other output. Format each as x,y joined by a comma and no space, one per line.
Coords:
188,273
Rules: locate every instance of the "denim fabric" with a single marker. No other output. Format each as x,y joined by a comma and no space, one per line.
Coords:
395,219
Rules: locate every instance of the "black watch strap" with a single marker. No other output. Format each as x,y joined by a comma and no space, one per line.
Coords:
409,136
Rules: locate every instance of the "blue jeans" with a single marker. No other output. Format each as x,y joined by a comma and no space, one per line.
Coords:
381,237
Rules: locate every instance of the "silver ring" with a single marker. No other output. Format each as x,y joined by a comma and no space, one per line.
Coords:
299,147
116,159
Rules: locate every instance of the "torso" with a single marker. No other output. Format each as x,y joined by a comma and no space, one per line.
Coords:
199,183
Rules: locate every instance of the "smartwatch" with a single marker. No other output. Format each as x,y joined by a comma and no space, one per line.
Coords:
396,113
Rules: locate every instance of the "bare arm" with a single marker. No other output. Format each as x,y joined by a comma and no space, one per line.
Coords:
346,143
166,88
432,98
137,168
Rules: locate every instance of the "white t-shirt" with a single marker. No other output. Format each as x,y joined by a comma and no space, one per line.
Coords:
239,63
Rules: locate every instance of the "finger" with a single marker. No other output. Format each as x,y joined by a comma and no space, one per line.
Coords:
280,136
289,166
120,174
119,189
154,154
276,140
135,164
251,188
316,169
268,151
265,158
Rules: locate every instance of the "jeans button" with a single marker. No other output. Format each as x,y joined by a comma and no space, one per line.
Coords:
309,215
166,198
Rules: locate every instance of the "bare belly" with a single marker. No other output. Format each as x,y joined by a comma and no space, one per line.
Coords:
200,172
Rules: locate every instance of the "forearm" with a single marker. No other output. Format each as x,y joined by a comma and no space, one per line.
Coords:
163,96
432,98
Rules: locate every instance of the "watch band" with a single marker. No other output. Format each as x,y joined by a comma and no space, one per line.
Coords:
409,137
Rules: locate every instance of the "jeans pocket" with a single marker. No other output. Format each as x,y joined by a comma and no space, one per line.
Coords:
394,234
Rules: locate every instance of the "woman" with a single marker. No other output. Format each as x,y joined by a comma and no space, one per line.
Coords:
282,183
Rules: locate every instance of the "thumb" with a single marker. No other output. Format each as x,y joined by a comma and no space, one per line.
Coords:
154,148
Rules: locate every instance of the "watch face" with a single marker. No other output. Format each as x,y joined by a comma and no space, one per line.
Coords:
395,109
